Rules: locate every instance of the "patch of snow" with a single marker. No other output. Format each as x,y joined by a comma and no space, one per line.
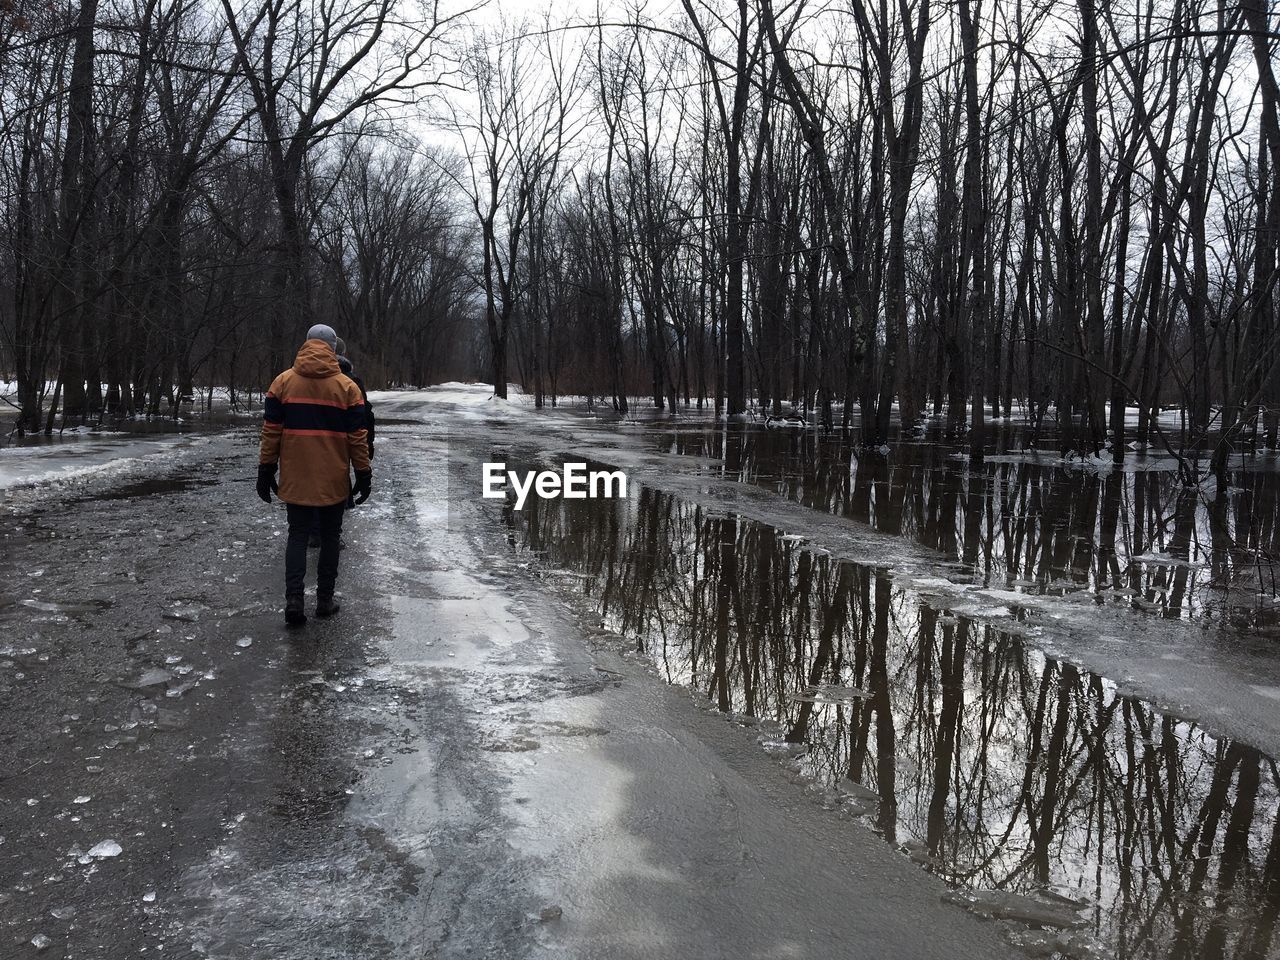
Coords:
78,457
830,693
1164,560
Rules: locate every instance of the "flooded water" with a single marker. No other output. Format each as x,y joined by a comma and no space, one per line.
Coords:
77,453
1097,824
1134,535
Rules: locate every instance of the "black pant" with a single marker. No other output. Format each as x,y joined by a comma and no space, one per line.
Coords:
301,521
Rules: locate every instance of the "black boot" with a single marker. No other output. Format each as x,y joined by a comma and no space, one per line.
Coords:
294,615
326,606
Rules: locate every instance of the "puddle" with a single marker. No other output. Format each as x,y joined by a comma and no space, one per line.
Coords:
1092,823
1135,537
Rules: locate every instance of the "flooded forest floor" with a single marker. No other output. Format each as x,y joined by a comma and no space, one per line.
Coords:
788,698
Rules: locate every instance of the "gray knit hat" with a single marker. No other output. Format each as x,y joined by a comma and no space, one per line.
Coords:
322,331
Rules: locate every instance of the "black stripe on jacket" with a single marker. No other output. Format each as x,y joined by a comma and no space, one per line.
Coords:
273,410
300,415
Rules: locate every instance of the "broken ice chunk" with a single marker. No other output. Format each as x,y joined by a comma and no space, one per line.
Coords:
107,848
245,642
41,942
830,693
150,678
1012,906
857,790
149,897
82,799
175,692
184,612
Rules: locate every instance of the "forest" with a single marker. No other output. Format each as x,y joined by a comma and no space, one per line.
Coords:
939,341
864,214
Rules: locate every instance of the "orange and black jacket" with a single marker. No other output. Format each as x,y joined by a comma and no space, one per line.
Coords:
314,426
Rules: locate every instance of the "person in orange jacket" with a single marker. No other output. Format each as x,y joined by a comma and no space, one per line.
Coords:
313,428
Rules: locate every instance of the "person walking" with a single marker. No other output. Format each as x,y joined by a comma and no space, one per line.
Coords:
314,433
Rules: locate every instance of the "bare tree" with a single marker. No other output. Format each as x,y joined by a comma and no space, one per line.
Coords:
513,133
314,69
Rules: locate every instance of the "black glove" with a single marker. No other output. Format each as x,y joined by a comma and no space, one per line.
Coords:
363,487
370,443
267,481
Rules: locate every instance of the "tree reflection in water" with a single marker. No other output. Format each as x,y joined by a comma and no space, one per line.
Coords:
1137,538
997,766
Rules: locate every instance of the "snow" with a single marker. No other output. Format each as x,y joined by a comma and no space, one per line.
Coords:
449,401
1013,598
1164,560
1011,906
81,456
830,693
1099,464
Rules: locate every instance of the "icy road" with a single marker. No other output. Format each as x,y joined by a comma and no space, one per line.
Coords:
458,765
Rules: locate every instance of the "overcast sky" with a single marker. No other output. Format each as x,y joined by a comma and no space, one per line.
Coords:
534,9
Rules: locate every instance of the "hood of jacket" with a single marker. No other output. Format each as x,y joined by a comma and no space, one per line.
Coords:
316,359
